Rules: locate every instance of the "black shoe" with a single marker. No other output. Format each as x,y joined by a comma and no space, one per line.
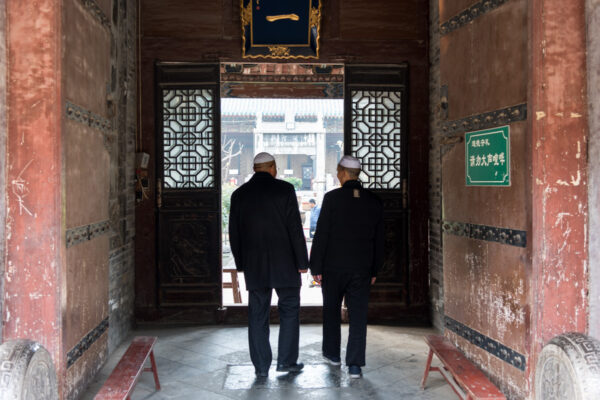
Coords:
261,374
354,371
290,368
332,360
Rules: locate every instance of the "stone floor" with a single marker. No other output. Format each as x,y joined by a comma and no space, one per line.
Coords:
213,363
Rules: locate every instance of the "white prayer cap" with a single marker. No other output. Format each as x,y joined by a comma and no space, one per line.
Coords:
350,162
263,157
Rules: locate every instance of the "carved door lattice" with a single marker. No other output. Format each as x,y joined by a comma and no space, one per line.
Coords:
188,138
377,137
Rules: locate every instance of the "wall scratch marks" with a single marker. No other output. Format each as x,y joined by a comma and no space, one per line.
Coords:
20,189
576,181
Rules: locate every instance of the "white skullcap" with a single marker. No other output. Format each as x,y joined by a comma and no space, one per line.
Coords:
350,162
263,157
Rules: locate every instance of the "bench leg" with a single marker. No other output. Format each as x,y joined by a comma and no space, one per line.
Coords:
154,370
427,368
237,295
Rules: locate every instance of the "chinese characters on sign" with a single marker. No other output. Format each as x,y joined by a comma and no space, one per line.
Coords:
487,156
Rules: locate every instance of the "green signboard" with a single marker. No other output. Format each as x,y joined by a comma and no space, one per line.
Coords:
487,156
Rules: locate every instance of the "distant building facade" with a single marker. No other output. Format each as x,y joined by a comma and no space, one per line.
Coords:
305,136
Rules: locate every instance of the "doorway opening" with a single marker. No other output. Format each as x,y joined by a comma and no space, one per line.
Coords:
305,135
307,140
188,163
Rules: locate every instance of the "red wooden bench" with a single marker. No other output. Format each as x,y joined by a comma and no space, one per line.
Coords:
122,380
459,372
234,284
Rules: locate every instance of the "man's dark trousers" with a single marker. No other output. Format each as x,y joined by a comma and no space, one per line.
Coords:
355,287
259,306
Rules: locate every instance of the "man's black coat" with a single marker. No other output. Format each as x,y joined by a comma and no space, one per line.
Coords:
349,235
265,233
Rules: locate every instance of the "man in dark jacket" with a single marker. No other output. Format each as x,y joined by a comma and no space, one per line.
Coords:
315,210
346,253
268,245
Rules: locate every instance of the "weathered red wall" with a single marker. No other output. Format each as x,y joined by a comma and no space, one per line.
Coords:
58,174
34,244
559,135
353,31
3,135
593,70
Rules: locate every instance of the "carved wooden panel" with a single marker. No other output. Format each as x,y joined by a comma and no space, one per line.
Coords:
189,255
394,266
186,241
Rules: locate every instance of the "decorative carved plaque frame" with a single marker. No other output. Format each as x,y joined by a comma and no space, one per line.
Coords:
280,29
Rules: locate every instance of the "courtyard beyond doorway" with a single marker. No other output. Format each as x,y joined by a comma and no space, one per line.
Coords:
306,138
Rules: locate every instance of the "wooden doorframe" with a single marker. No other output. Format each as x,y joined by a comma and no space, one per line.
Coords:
398,312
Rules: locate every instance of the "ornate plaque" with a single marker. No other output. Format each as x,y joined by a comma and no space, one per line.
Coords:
280,29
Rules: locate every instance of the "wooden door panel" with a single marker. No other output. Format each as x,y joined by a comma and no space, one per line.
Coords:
394,266
188,171
186,248
376,132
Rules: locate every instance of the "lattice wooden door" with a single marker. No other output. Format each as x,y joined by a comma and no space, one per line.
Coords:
376,98
189,216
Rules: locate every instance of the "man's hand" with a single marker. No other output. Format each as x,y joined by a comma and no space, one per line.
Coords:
373,279
302,271
317,278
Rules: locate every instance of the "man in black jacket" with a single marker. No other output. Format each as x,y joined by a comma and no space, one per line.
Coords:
346,253
268,245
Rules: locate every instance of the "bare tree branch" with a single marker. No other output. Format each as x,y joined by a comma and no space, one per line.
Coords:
228,154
